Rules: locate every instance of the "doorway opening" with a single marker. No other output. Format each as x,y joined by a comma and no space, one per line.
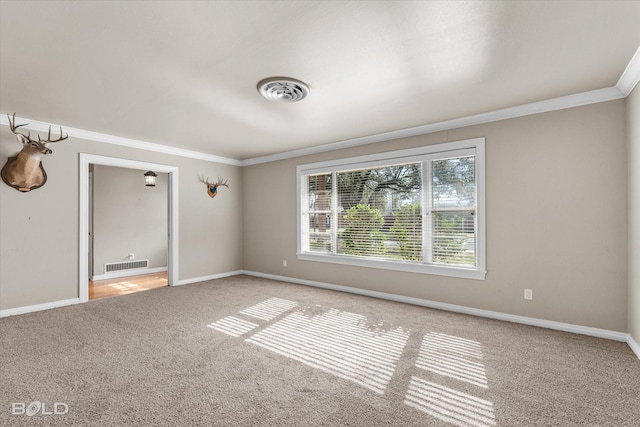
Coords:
121,285
127,231
126,285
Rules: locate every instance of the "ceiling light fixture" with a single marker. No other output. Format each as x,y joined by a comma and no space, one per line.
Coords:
283,89
150,179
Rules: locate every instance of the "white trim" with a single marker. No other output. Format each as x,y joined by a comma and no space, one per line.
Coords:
561,103
385,264
481,210
560,326
622,89
474,146
38,307
127,273
389,156
626,83
39,126
211,277
631,75
635,347
173,213
83,207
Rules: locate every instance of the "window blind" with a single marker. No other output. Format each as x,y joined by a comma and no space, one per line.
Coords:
416,210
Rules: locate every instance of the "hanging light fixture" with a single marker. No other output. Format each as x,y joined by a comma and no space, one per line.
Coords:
150,179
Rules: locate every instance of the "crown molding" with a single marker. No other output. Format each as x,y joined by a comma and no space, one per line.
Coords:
631,75
38,126
625,85
627,82
563,102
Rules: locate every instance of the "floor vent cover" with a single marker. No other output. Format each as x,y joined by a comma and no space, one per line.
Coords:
127,265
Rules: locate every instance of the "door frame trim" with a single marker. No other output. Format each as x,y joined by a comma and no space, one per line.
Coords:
83,208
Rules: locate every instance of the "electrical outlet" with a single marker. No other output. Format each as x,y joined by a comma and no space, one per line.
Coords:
528,294
284,262
131,256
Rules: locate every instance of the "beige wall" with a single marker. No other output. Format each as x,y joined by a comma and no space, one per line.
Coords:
557,191
39,230
556,220
128,217
633,124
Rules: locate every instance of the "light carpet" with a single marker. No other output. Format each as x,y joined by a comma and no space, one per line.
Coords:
244,351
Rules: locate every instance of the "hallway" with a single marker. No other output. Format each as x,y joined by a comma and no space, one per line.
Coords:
126,285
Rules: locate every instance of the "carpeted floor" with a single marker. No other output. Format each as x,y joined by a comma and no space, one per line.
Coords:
243,351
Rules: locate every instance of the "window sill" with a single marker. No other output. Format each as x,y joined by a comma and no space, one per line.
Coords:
450,271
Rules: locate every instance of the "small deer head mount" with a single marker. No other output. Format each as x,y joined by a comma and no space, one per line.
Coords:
25,172
212,188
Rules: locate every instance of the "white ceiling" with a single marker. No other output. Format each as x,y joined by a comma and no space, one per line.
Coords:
184,73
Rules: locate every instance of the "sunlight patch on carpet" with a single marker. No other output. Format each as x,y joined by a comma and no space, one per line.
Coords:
270,308
449,405
233,326
340,343
453,357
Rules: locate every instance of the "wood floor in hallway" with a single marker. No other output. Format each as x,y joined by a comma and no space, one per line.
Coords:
126,285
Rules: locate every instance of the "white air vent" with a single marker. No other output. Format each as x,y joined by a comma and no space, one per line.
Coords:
127,265
283,89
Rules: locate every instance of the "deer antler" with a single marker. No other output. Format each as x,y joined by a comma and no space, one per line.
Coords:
225,183
49,140
212,187
215,184
13,127
205,181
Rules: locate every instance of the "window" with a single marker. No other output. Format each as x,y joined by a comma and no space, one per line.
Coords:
419,210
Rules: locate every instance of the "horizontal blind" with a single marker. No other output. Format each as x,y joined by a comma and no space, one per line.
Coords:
379,212
418,210
452,230
317,214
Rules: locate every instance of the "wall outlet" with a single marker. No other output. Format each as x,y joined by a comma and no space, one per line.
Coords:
131,256
528,294
284,262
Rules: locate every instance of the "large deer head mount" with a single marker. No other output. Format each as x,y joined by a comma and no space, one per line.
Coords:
25,172
212,187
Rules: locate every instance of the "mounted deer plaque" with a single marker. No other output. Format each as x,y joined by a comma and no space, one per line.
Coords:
25,172
212,187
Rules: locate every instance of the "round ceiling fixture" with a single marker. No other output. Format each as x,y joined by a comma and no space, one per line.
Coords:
283,89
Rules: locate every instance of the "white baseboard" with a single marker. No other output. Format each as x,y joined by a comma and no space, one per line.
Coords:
566,327
634,345
38,307
126,273
560,326
63,303
211,277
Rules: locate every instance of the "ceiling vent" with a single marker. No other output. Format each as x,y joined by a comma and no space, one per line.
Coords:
283,89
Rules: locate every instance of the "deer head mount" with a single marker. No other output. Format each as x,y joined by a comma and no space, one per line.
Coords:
25,172
212,187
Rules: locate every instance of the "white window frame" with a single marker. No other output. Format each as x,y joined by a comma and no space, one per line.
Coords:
474,146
